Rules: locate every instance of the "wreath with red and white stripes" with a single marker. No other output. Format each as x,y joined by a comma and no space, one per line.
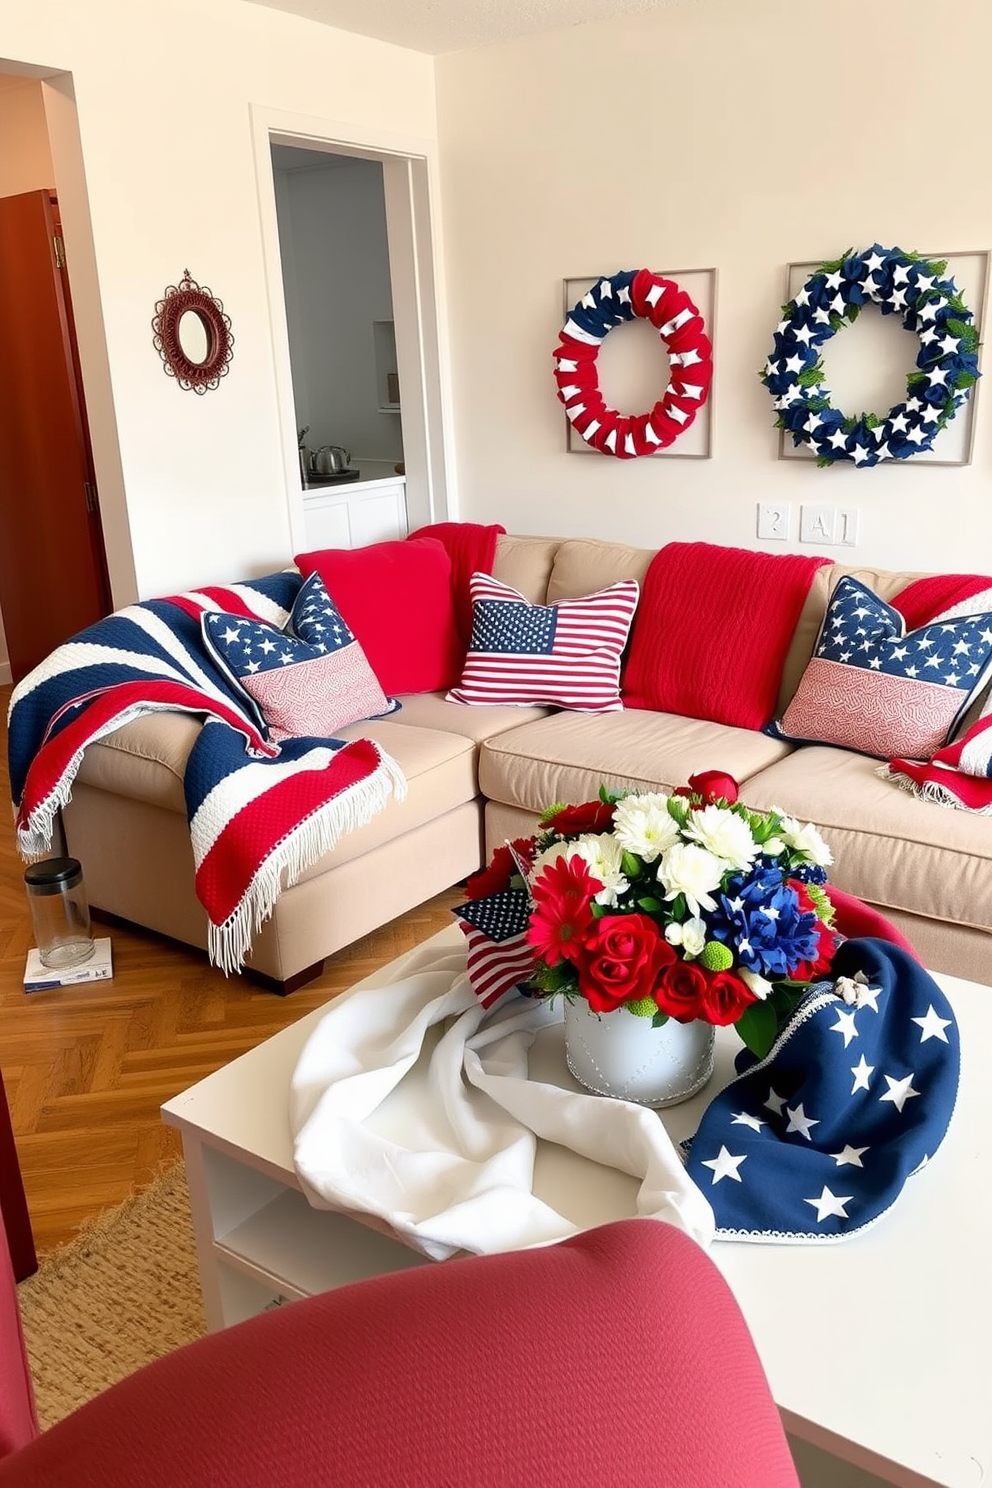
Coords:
634,294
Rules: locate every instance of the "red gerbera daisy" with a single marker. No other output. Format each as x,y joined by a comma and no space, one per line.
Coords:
563,914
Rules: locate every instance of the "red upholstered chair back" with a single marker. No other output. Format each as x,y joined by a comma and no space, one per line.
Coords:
18,1422
617,1358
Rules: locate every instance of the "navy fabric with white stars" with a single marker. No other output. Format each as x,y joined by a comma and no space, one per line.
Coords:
250,646
861,630
816,1141
512,628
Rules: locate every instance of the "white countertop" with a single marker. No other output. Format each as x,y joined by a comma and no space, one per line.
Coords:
373,472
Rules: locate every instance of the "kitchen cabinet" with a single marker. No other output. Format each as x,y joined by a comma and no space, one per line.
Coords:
356,513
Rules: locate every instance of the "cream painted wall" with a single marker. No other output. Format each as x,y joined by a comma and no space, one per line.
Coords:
25,156
165,91
738,133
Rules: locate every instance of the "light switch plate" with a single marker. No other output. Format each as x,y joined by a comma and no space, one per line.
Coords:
817,524
848,526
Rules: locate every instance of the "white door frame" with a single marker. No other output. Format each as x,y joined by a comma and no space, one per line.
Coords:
409,171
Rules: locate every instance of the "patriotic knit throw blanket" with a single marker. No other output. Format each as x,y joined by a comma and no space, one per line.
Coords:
960,774
259,813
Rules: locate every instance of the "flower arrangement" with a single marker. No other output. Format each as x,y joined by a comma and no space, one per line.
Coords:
686,906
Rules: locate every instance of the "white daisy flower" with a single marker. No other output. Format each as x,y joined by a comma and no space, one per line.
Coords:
805,839
693,871
725,834
642,825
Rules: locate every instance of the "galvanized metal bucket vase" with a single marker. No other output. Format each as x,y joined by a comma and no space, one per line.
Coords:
621,1055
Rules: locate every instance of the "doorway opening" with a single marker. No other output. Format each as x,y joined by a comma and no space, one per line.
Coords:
349,221
339,312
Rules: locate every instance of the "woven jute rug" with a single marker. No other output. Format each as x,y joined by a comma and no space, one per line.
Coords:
125,1291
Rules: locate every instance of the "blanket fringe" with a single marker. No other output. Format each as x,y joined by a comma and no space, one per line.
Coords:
34,837
930,790
228,944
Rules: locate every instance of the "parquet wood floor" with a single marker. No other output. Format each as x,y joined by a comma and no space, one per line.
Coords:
87,1068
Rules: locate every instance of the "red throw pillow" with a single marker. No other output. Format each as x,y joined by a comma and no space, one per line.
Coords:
397,600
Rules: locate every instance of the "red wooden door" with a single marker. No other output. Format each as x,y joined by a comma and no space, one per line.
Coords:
53,573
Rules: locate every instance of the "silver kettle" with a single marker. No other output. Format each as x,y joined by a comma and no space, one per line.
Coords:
330,459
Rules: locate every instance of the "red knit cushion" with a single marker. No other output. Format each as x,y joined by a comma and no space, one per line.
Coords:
397,599
712,632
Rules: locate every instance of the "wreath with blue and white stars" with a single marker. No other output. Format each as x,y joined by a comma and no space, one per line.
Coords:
946,367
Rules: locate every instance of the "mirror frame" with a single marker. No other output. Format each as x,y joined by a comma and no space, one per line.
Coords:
180,299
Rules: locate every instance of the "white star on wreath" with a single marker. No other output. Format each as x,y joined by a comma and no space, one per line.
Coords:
946,366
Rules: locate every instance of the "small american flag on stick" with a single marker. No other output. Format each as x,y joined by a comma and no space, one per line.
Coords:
499,957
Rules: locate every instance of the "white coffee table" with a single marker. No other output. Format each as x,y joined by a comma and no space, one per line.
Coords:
878,1350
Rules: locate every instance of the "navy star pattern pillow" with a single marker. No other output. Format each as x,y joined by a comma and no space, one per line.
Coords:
874,688
816,1141
306,681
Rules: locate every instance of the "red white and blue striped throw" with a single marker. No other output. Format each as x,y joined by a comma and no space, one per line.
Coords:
259,813
566,654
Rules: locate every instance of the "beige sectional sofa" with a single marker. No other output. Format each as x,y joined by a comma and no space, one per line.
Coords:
478,775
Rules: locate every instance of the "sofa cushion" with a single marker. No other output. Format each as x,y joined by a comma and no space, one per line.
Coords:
874,687
432,710
566,756
566,654
890,849
440,773
525,563
310,679
145,759
583,565
397,598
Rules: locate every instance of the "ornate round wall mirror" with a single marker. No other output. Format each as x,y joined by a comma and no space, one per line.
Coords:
193,335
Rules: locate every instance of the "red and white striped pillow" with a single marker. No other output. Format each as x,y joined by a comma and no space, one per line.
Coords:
567,654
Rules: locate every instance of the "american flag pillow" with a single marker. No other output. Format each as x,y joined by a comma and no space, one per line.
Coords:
567,654
873,687
307,680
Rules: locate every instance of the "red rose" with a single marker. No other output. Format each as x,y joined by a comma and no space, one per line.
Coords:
496,878
570,821
725,998
621,959
680,991
711,785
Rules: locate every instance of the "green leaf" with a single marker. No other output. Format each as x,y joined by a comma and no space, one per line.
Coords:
659,1020
965,379
631,866
599,910
650,906
757,1027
